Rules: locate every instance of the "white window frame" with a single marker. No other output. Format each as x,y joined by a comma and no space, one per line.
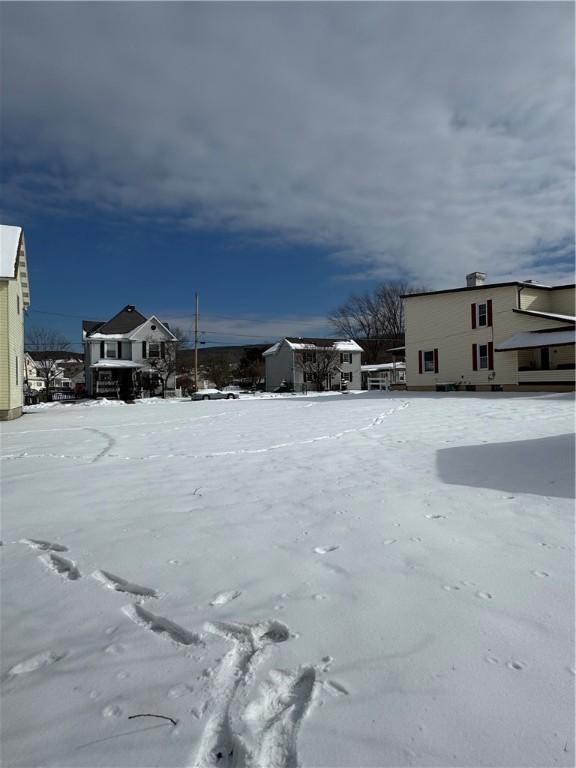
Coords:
154,344
428,364
111,350
480,317
345,357
309,356
482,359
346,376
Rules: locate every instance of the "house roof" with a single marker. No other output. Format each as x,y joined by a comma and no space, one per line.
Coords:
299,343
342,345
543,338
487,286
383,367
9,244
125,321
116,364
547,315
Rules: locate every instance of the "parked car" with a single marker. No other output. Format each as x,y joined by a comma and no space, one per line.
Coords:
214,394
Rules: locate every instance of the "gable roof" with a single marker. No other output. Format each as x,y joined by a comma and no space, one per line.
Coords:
299,343
10,238
128,319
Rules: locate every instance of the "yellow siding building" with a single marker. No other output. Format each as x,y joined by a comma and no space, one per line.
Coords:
14,300
499,336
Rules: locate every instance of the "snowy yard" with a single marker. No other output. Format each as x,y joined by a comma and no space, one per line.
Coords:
347,581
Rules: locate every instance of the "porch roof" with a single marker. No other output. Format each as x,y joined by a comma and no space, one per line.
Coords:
534,339
116,364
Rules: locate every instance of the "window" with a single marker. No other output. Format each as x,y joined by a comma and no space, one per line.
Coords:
16,369
346,376
18,303
154,349
346,357
111,350
429,362
483,356
482,315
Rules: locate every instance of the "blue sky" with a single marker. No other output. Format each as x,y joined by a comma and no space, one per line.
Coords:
276,157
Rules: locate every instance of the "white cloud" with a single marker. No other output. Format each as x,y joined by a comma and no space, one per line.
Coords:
252,329
415,139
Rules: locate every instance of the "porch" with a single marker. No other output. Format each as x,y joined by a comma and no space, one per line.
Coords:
116,379
544,357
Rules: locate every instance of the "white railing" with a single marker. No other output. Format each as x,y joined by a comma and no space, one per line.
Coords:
552,376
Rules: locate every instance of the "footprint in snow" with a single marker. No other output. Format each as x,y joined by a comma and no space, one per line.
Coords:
326,549
541,574
65,568
518,666
44,659
484,595
436,517
118,584
225,597
389,541
44,546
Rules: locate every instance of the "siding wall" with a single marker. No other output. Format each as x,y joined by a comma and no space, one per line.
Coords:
11,345
563,302
443,322
279,367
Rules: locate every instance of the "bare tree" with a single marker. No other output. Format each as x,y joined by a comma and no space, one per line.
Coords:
318,364
164,367
219,371
251,368
46,346
376,316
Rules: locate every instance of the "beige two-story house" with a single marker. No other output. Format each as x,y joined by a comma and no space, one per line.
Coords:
14,300
491,336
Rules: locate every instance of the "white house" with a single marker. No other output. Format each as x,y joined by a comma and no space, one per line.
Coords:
128,356
383,375
305,364
491,336
35,381
14,301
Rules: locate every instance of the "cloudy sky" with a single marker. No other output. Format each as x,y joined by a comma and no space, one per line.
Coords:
278,156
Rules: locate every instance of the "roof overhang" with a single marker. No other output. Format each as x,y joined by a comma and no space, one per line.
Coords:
116,364
546,315
537,339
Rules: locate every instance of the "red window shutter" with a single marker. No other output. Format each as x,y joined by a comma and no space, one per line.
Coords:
491,355
419,361
474,357
435,361
489,312
473,315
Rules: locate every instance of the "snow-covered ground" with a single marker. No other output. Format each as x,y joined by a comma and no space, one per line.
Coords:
363,580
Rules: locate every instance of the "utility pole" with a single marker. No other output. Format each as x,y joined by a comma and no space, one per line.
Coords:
196,346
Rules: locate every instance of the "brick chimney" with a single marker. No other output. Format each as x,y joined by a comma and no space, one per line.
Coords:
475,279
